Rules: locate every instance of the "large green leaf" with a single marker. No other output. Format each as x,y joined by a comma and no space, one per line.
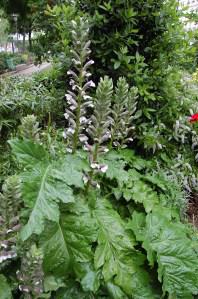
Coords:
116,167
27,152
168,243
142,193
69,242
116,254
5,290
45,186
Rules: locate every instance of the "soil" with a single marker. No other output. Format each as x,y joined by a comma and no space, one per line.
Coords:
192,211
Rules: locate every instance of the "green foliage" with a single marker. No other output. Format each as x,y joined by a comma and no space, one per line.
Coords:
5,58
54,33
85,236
163,240
5,290
101,221
117,256
22,96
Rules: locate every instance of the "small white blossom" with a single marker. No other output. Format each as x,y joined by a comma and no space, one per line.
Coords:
130,139
87,147
94,165
83,120
76,62
106,150
103,168
64,135
71,82
88,75
83,138
69,150
86,97
73,107
71,130
85,179
68,97
74,87
91,84
66,115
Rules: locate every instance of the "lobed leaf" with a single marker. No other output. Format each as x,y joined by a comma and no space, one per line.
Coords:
117,257
68,242
45,186
168,244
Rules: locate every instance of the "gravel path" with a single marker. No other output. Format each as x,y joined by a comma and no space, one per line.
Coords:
33,69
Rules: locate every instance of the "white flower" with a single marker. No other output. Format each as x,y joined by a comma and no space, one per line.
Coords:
87,147
88,85
70,72
69,150
3,245
73,107
94,165
76,62
71,82
106,150
74,87
97,186
90,62
83,120
68,98
85,179
103,168
66,115
86,97
88,75
71,130
64,135
83,138
130,139
92,84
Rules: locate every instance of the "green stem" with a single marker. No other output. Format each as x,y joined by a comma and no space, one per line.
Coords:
77,129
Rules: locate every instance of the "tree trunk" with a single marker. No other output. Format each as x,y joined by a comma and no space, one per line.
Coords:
30,39
12,46
23,42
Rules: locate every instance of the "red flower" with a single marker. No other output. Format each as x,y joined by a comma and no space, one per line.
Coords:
193,118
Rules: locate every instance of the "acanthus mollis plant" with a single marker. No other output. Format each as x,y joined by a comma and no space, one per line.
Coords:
99,129
29,128
123,114
78,101
10,203
31,274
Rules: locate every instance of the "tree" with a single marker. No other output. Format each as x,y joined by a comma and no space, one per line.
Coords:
4,27
30,15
